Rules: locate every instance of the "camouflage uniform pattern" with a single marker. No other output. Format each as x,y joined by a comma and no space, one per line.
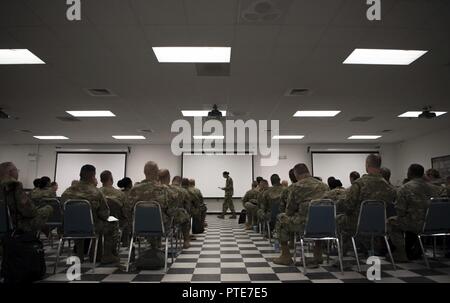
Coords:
181,216
83,190
228,200
411,206
337,194
201,204
122,211
38,194
284,197
24,213
250,204
269,197
302,192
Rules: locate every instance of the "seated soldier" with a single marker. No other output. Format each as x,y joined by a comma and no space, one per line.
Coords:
337,192
44,190
250,204
270,197
85,190
199,195
25,215
263,186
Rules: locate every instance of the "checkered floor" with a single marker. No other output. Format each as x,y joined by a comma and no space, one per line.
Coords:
228,253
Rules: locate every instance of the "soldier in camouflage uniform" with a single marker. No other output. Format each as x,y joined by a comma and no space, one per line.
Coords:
293,220
201,204
43,191
228,200
24,214
434,177
371,186
285,193
117,202
181,216
270,197
262,188
411,206
337,192
150,190
250,204
86,190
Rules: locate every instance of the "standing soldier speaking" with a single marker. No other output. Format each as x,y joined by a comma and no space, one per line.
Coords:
228,201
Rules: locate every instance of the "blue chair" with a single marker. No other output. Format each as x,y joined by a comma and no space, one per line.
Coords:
148,222
437,223
78,225
320,226
56,219
372,222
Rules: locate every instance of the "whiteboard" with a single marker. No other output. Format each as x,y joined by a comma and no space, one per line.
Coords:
207,171
68,166
338,165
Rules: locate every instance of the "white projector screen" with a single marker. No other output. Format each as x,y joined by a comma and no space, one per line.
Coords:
207,171
338,165
68,165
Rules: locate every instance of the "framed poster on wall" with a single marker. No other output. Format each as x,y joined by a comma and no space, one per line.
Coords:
442,165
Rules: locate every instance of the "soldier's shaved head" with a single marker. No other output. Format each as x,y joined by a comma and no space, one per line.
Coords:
373,161
254,184
8,170
284,183
164,176
151,171
106,178
176,180
185,182
415,171
301,171
87,173
192,182
386,173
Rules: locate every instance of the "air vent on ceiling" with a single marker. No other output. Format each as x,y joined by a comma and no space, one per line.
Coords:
100,92
146,130
68,119
293,92
361,119
267,11
386,130
4,115
237,114
213,69
26,131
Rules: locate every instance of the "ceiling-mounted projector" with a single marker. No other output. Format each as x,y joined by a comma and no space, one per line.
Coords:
426,114
4,115
215,113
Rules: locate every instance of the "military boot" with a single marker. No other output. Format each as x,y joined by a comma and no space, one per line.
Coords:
221,216
400,255
286,257
187,240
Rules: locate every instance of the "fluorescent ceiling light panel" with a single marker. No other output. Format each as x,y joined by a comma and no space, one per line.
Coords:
383,56
129,137
192,54
209,137
18,56
289,137
51,137
199,113
90,113
415,114
364,137
316,113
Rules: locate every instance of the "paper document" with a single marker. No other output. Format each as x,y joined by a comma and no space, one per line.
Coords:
112,219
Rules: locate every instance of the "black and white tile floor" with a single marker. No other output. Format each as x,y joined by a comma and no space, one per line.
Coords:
228,253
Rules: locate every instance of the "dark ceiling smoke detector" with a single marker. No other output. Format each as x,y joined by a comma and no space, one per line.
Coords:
215,113
427,114
4,115
100,92
262,11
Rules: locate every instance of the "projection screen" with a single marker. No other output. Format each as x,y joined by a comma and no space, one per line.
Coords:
68,166
207,170
338,165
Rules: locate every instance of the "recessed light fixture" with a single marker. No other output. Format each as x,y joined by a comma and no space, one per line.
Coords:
90,113
199,113
383,56
18,56
192,54
364,137
289,137
316,113
415,114
210,137
51,137
129,137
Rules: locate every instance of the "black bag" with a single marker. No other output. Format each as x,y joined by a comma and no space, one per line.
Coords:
151,259
197,225
23,258
242,217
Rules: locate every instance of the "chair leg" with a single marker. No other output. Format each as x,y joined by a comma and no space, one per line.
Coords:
268,232
303,256
166,254
57,254
95,255
423,252
434,247
171,247
295,250
356,254
389,251
129,253
339,255
328,251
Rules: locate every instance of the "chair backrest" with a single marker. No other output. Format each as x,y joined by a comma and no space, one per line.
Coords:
115,209
57,215
274,211
78,220
5,221
437,219
372,218
148,219
321,220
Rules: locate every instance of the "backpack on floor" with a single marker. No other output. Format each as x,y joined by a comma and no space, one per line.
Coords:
150,259
197,225
242,217
23,258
